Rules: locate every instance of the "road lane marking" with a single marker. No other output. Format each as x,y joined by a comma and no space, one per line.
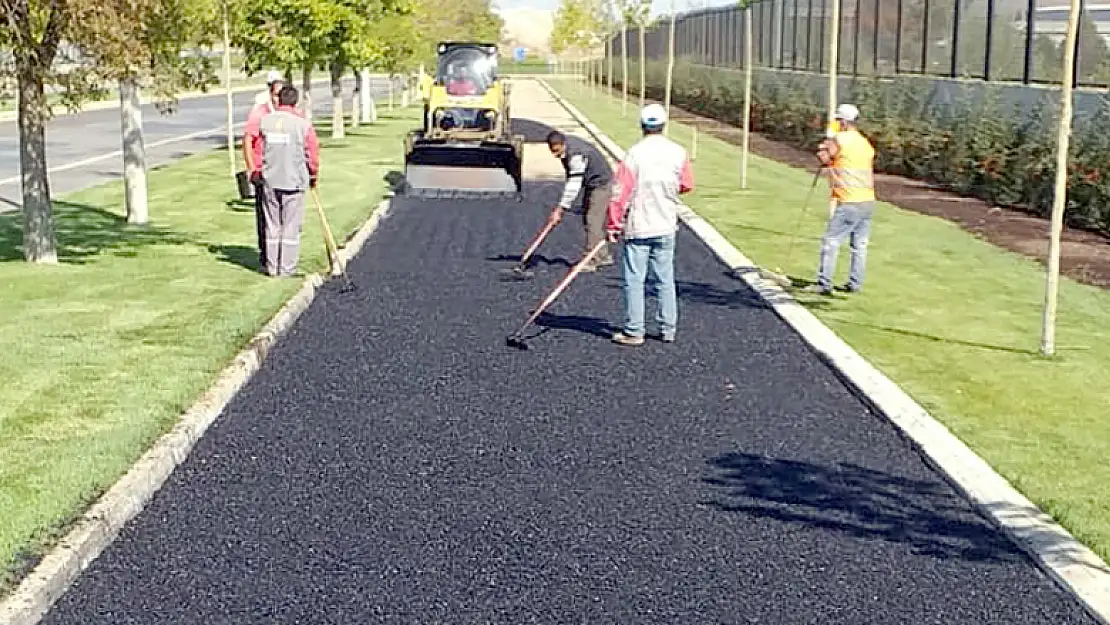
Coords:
102,157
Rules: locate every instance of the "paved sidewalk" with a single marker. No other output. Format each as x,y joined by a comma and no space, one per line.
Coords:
394,462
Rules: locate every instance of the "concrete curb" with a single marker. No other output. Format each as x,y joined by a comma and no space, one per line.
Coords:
99,526
1071,564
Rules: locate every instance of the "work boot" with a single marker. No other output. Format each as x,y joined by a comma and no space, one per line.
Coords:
621,338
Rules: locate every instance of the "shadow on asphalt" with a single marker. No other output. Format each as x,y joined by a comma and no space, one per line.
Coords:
595,326
860,502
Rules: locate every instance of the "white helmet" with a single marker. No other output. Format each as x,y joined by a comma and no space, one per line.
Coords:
273,76
653,116
847,112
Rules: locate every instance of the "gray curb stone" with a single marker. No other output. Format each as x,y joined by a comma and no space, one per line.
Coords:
99,526
1077,569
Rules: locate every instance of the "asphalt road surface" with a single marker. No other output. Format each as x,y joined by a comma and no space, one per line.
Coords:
91,139
395,462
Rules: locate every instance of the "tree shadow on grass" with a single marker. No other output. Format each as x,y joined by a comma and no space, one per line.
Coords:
858,502
85,231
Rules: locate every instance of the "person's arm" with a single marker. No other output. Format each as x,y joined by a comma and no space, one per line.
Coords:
250,132
827,151
686,177
574,181
623,184
312,154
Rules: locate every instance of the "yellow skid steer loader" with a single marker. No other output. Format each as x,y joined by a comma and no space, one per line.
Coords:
465,147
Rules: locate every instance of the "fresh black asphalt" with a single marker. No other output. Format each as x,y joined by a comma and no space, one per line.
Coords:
395,462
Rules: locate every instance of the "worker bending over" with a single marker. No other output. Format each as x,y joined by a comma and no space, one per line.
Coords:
287,161
644,211
849,157
584,174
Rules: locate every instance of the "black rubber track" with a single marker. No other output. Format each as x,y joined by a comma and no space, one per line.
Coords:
395,462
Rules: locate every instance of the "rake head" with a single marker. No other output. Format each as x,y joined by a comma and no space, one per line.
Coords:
516,341
517,274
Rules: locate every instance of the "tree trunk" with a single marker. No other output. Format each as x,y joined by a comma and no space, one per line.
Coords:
306,92
134,152
356,103
643,65
1060,192
230,105
609,59
747,96
624,72
337,119
367,100
39,240
670,72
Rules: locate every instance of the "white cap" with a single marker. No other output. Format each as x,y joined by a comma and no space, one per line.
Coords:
653,116
273,76
847,112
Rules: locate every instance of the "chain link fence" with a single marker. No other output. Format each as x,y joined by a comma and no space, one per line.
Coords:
1017,41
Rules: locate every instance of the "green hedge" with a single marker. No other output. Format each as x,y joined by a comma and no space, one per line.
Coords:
974,146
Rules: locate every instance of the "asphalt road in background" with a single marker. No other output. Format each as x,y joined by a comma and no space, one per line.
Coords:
90,135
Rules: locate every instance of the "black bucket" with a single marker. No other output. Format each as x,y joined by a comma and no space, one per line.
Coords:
246,189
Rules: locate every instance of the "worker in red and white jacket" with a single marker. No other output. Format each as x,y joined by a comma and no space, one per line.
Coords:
644,213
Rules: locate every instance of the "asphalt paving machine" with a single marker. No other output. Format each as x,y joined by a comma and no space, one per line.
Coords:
465,147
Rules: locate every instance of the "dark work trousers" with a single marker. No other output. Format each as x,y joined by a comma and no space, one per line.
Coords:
260,223
594,213
284,214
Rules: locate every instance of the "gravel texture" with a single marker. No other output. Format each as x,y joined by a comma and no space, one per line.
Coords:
395,462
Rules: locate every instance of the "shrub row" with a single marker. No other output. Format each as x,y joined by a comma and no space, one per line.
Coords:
975,146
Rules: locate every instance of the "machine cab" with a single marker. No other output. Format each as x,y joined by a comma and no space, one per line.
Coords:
466,69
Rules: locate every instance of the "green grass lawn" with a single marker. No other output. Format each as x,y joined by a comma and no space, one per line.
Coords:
104,351
952,319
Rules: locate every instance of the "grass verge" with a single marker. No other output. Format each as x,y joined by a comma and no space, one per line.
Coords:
104,351
952,319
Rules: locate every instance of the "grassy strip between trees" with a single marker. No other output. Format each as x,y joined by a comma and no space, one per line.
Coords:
104,351
954,320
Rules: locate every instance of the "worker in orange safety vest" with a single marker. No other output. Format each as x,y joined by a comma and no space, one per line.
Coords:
849,160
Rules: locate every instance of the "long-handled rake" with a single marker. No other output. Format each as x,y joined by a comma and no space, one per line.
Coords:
521,270
515,339
778,275
335,265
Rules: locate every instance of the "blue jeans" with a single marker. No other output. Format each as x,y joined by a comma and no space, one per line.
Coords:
649,260
851,221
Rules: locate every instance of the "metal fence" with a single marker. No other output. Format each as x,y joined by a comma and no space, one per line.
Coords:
994,40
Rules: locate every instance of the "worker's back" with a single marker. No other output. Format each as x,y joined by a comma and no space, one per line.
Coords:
285,140
658,167
851,173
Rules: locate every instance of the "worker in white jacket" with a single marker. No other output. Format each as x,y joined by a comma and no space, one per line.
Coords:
644,213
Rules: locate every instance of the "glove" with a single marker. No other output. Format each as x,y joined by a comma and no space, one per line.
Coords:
256,178
312,181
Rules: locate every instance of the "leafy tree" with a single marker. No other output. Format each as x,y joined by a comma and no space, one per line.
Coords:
106,39
135,41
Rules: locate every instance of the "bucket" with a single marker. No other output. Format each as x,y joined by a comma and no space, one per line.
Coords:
246,189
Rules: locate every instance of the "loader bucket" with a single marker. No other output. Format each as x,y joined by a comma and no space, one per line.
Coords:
478,169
